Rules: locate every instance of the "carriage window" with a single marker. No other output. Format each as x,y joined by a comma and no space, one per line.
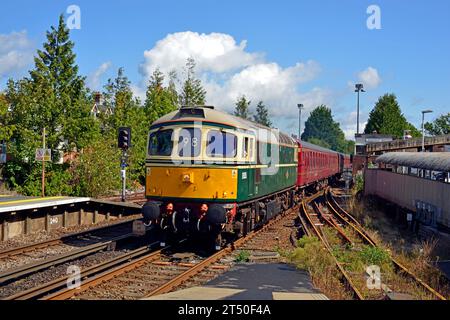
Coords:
251,148
161,143
189,142
221,144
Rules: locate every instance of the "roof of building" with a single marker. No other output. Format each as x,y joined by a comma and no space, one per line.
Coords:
437,161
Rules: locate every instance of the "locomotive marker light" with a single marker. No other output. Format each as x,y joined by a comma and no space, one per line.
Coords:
124,142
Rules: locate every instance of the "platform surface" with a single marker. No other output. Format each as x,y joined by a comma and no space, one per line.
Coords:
268,281
14,203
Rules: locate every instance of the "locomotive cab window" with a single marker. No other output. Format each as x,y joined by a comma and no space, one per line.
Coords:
189,142
161,143
221,144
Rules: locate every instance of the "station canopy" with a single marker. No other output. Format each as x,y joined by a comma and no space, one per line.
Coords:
436,161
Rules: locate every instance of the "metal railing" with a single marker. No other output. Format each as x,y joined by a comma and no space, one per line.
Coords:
406,144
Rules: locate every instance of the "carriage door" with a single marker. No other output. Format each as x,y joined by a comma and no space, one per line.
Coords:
247,175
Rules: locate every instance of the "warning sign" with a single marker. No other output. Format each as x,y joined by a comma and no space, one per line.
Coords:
43,154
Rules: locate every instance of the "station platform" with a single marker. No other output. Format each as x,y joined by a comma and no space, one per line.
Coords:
21,215
268,281
16,203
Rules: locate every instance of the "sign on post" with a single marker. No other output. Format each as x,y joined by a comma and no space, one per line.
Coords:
43,154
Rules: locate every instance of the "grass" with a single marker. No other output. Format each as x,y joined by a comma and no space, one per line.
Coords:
310,255
243,256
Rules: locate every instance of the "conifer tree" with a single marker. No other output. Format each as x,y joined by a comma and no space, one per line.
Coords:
192,92
262,115
159,99
242,108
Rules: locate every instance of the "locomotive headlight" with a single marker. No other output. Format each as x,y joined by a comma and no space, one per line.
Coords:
187,177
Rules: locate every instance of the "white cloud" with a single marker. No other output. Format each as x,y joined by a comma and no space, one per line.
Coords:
216,52
94,79
370,78
228,70
16,53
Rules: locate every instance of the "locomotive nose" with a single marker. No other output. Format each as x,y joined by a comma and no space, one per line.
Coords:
150,211
216,214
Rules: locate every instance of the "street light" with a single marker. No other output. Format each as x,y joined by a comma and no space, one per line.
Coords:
423,128
358,88
300,107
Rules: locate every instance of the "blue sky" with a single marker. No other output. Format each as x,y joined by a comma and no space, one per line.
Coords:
311,51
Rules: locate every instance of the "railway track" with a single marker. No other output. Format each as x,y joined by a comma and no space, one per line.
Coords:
351,221
338,219
31,253
114,243
138,197
149,272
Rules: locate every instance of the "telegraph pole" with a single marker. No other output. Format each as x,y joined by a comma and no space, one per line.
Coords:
43,163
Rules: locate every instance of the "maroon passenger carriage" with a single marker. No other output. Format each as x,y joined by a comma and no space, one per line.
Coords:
317,165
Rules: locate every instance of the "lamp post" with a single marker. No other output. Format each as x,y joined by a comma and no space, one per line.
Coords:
300,107
358,88
423,128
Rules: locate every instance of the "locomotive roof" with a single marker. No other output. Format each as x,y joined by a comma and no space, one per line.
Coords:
438,161
207,113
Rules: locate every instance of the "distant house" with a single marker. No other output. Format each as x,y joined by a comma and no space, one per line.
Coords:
99,107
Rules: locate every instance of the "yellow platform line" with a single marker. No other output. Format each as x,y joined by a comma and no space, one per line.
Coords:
30,200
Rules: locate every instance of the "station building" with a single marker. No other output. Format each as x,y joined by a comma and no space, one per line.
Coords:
418,182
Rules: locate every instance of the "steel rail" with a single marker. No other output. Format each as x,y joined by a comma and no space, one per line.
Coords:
360,230
31,268
332,224
210,260
356,293
45,290
188,274
103,272
52,242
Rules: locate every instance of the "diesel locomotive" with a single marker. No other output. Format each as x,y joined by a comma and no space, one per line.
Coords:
214,174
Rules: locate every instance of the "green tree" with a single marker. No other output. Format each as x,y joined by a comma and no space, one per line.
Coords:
159,99
319,142
192,92
6,128
387,118
54,97
262,115
242,108
127,112
321,128
439,126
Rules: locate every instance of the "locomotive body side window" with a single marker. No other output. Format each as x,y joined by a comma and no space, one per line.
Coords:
161,143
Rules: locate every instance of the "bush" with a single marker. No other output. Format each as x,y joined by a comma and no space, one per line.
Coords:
96,172
57,181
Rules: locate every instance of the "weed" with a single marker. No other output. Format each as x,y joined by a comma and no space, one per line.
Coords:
243,256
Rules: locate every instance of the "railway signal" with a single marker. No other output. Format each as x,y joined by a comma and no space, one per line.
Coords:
124,141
